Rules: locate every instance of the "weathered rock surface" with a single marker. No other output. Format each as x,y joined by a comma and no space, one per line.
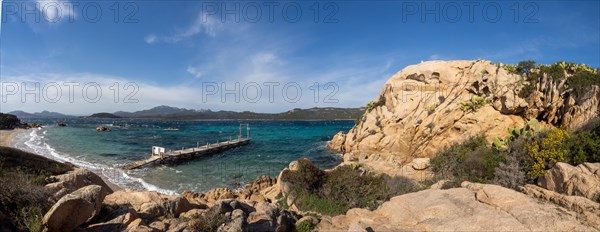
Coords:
473,207
74,209
73,180
583,180
260,190
418,110
117,220
587,209
149,204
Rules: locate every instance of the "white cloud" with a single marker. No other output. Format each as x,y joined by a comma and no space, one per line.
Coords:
78,93
56,11
435,57
203,23
195,72
150,39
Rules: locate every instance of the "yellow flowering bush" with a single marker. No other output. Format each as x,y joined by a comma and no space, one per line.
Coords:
548,151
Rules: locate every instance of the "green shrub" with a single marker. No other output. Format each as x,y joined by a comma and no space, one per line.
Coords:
306,226
525,66
353,187
334,192
306,200
510,68
209,222
584,147
473,104
370,107
526,90
582,80
21,200
32,217
431,108
471,161
551,148
308,176
579,77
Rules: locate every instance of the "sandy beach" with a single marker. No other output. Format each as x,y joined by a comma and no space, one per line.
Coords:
6,136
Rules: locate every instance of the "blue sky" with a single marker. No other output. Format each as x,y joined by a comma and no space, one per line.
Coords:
175,50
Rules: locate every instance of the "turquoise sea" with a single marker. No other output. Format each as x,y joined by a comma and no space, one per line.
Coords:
274,144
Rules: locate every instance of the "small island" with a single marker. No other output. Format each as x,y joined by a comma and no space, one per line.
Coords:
103,115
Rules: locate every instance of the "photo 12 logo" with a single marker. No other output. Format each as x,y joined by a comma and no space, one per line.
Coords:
253,92
453,12
68,11
270,11
54,92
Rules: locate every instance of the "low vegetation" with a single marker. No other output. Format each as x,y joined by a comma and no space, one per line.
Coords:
370,107
23,198
547,150
208,222
9,121
306,226
577,77
471,161
473,104
334,192
584,145
522,158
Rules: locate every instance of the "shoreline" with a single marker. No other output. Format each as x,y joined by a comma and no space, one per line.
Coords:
7,137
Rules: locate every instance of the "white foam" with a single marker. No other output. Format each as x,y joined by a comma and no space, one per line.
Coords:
38,145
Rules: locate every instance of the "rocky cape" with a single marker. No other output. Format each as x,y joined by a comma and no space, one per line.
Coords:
418,112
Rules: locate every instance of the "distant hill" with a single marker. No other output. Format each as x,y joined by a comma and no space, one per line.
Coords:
158,111
43,114
103,115
174,113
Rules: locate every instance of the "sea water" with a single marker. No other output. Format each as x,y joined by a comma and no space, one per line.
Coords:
274,144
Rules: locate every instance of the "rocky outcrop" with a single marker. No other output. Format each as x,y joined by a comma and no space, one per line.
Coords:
418,111
552,102
260,190
473,207
586,208
102,128
117,220
149,204
73,180
74,209
583,180
417,169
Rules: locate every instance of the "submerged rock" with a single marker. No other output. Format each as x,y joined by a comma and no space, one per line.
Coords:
102,128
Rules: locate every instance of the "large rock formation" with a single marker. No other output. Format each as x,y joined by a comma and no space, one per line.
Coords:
583,180
149,204
74,209
418,112
263,189
474,207
73,180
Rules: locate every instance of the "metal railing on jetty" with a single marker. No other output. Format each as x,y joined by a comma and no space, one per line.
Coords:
160,155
